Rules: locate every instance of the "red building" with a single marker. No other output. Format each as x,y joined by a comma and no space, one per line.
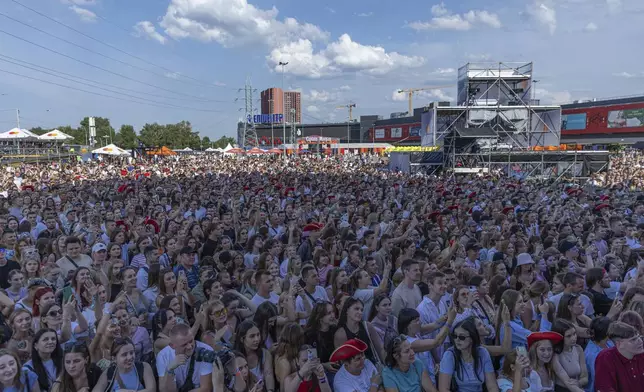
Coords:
609,119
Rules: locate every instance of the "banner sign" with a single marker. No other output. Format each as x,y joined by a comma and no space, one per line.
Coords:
265,118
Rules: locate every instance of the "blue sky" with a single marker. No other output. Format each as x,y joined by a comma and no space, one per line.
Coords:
190,57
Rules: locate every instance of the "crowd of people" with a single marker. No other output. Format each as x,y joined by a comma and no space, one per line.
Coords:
316,274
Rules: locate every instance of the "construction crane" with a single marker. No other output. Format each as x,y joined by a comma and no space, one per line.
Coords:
411,91
349,106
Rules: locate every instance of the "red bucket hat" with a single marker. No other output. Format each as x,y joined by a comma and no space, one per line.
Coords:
534,337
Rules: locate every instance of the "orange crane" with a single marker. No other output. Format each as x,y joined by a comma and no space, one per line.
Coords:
411,91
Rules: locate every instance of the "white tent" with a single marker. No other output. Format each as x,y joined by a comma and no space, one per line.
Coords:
187,149
55,135
210,149
111,149
17,133
228,148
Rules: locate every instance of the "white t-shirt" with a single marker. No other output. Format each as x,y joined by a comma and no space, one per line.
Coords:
167,355
318,294
366,296
347,382
258,300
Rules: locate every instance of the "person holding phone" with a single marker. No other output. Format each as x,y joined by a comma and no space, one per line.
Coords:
310,374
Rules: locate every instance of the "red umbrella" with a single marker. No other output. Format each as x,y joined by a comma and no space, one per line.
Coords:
235,151
275,151
256,150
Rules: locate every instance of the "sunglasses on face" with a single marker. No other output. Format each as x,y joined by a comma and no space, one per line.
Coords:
54,313
462,338
219,313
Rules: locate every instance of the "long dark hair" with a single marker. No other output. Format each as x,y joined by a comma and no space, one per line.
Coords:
264,312
405,317
343,314
159,321
39,367
470,327
376,302
67,382
17,381
240,335
317,313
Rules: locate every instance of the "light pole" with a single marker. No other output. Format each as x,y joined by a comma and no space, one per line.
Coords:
270,104
283,64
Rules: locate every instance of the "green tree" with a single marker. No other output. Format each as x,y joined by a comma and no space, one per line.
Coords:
223,141
103,128
39,131
153,135
205,142
126,137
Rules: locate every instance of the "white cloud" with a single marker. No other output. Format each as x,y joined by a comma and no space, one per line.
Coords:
591,27
312,109
79,2
233,23
443,19
626,75
445,71
220,84
321,96
331,10
365,14
614,6
343,55
543,14
424,96
344,88
173,75
84,14
553,97
147,29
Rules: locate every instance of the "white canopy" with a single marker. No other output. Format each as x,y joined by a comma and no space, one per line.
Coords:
187,149
17,133
55,135
228,148
111,149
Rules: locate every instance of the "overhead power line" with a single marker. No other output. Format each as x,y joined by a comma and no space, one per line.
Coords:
201,82
164,105
96,66
22,63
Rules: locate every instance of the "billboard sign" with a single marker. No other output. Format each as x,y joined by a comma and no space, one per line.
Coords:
380,133
396,132
265,118
414,131
627,118
573,121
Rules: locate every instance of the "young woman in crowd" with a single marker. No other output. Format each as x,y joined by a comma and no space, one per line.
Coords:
79,373
320,330
512,376
286,351
351,326
310,374
404,372
162,322
466,363
12,377
569,363
248,341
46,358
21,340
126,373
541,352
384,323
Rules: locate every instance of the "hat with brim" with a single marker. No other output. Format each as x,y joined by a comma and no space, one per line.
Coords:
534,337
524,259
349,349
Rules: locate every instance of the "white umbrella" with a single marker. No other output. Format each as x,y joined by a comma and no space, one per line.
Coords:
55,135
110,149
17,133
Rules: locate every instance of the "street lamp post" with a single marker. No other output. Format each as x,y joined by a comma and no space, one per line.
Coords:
283,64
271,102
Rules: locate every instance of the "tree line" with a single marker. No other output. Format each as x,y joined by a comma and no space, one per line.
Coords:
179,135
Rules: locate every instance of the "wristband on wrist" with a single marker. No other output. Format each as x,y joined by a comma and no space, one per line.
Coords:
322,380
373,384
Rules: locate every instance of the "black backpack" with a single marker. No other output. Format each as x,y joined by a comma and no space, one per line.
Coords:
111,375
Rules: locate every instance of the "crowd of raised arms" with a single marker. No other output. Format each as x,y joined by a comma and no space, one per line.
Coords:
316,274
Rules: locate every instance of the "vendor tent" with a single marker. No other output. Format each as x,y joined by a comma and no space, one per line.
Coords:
163,151
55,135
111,149
275,151
234,151
256,151
17,133
228,148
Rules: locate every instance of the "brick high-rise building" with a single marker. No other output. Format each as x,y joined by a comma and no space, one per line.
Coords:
273,101
293,101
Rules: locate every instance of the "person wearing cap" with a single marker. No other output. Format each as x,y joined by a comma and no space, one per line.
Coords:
523,274
472,250
187,265
99,255
541,352
470,234
357,373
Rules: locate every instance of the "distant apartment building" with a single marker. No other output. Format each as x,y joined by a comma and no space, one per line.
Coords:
274,101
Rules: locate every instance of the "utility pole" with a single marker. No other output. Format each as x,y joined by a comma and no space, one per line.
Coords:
283,64
349,106
270,106
18,117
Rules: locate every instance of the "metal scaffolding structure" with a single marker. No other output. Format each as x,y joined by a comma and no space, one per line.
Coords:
247,134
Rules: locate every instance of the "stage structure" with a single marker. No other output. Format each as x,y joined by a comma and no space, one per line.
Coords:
497,124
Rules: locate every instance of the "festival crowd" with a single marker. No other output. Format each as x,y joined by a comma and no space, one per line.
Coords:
315,274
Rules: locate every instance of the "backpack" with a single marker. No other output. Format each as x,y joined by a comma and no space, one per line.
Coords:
111,375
